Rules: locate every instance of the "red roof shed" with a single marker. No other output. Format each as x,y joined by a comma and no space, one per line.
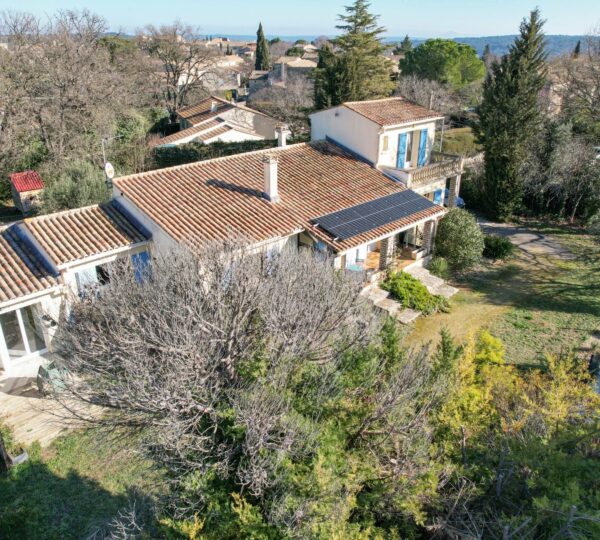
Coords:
26,181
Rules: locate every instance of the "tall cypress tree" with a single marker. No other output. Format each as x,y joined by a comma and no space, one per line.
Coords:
577,49
262,62
510,115
358,70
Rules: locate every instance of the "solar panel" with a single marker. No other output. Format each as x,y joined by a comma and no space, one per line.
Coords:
373,214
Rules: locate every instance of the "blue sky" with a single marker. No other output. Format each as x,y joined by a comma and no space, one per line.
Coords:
419,18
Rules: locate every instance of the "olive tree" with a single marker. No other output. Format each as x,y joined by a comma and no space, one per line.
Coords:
459,239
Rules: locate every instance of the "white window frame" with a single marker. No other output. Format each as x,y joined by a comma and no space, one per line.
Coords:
7,361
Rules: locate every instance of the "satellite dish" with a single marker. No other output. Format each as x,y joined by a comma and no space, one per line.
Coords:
109,170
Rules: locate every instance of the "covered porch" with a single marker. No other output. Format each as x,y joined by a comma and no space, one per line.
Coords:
397,251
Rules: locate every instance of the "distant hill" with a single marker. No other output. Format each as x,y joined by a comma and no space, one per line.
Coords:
555,44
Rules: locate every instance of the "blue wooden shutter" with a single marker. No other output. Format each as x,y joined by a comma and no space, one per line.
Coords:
422,148
141,266
401,151
438,198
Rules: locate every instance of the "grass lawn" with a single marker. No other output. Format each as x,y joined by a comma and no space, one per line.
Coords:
535,304
460,141
72,488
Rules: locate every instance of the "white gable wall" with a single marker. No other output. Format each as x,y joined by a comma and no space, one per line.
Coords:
349,129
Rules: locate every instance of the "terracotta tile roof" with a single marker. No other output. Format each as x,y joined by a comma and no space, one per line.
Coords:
392,111
206,136
212,199
83,232
22,272
296,62
26,181
184,133
195,114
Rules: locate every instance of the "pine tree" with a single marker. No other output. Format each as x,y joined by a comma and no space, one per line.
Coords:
406,45
262,62
577,49
510,115
359,70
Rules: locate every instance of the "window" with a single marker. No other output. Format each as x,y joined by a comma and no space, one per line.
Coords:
385,143
409,146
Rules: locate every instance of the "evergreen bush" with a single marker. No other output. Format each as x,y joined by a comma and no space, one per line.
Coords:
411,293
497,247
459,239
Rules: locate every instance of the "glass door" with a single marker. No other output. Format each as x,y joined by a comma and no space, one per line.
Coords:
22,333
13,337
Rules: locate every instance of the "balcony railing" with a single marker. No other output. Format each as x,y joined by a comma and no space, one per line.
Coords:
441,166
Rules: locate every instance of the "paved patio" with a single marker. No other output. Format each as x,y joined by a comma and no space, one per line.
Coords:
32,416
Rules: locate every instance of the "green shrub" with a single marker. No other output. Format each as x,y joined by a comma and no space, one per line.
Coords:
8,438
459,239
439,267
497,247
82,184
411,293
169,156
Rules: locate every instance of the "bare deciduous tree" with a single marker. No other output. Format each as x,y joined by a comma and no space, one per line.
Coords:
182,62
61,92
203,356
290,103
427,93
578,82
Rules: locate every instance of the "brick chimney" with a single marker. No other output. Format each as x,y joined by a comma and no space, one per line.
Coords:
282,134
213,106
270,172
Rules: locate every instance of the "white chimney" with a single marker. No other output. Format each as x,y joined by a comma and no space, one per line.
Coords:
213,106
270,172
282,134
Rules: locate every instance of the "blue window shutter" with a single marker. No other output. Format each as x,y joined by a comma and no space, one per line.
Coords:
141,266
401,151
422,148
438,196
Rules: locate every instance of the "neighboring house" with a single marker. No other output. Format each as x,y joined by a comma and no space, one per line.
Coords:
26,188
215,119
49,259
365,190
288,65
258,80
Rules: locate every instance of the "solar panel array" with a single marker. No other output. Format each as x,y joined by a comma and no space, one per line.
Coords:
373,214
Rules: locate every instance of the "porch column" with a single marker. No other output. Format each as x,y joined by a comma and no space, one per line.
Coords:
453,191
455,186
428,235
386,252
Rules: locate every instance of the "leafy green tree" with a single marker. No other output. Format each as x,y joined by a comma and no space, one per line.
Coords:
81,184
510,116
445,61
359,70
294,51
459,239
262,62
